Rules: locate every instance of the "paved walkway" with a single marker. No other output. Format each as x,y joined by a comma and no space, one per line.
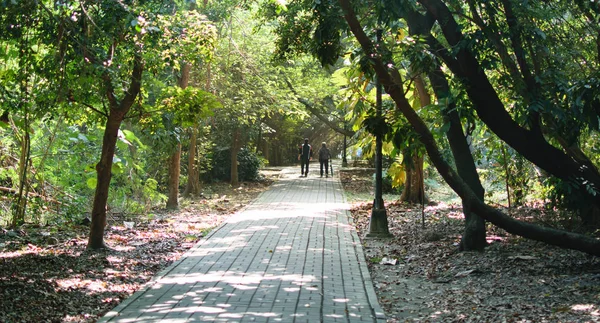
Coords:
290,256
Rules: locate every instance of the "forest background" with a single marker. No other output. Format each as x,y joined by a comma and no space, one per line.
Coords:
114,109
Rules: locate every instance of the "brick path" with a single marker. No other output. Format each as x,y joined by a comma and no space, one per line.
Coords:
290,256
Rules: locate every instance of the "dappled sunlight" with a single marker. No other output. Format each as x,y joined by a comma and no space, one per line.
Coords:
341,300
282,258
313,210
593,310
91,285
233,278
255,228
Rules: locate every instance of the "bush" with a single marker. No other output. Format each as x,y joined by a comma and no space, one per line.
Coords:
248,165
386,184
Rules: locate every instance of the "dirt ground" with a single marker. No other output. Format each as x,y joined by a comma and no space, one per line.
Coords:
420,276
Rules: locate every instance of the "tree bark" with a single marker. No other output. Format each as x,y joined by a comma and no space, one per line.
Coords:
175,158
474,236
414,188
174,171
193,183
235,148
394,89
118,111
413,191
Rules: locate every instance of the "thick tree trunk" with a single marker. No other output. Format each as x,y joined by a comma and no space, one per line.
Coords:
103,176
414,187
174,171
394,89
474,237
184,78
193,184
413,191
118,111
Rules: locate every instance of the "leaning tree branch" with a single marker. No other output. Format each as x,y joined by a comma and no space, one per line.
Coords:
500,49
527,230
312,109
492,112
89,106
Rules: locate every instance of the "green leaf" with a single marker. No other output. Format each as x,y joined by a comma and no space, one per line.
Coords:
117,168
445,127
83,138
91,182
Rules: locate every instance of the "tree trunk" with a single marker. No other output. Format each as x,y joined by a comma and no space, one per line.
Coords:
103,176
235,148
184,78
474,236
193,184
20,204
394,89
118,111
266,151
259,139
174,170
175,158
413,186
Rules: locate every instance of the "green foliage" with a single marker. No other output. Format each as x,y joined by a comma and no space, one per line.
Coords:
187,106
389,183
520,179
315,29
565,195
248,166
376,126
184,36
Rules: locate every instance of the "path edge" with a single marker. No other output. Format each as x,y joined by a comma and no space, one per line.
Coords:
364,269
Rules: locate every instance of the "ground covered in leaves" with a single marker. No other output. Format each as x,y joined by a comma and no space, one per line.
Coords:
419,275
46,274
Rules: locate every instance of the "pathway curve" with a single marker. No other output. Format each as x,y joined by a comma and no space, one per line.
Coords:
290,256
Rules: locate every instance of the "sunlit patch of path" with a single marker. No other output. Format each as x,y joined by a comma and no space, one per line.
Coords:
290,256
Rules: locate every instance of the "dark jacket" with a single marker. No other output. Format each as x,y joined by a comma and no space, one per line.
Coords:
324,154
306,151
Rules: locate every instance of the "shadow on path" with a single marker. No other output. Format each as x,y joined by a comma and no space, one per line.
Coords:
290,256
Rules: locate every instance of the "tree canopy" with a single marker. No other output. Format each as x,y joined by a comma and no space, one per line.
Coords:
120,88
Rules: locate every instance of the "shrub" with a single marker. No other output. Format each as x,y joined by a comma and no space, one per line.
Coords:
248,165
386,184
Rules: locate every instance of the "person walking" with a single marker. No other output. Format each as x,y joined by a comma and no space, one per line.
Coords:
305,156
324,157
